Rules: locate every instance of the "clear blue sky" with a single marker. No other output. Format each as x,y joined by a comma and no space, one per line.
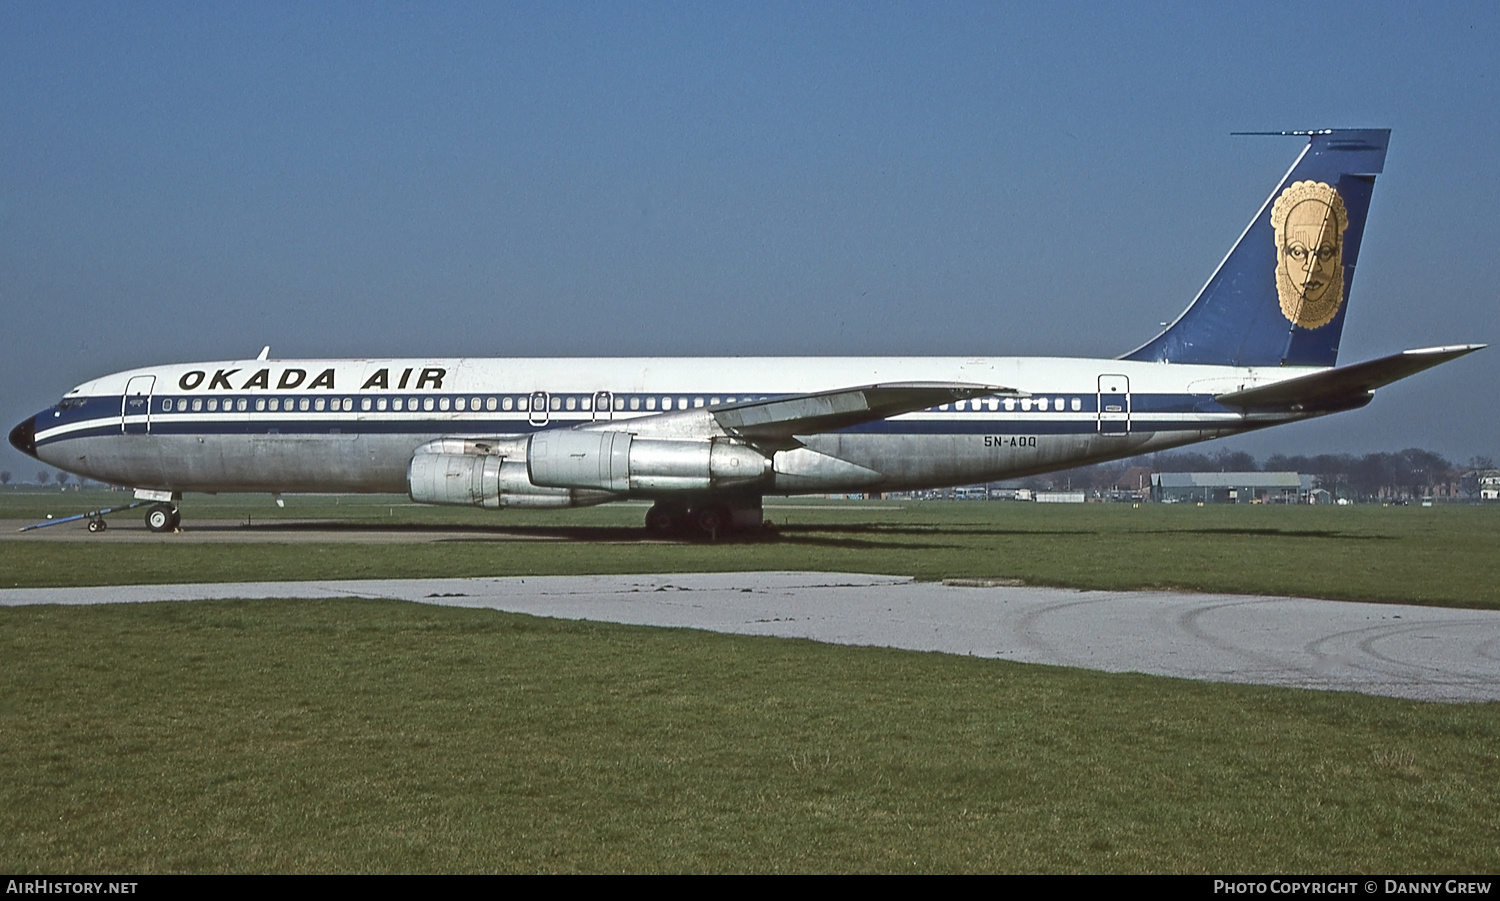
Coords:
191,181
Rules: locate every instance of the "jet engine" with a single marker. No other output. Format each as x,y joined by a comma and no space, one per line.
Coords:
621,462
482,473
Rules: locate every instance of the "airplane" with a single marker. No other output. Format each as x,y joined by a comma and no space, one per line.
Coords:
707,439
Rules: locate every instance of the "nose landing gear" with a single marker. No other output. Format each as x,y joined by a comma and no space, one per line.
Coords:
161,518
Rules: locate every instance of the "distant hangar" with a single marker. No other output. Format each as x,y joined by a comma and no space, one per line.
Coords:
1235,488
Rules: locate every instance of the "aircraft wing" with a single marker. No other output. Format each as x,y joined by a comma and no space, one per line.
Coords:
778,419
769,424
1345,386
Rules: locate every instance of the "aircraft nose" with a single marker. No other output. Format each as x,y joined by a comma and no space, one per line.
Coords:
23,437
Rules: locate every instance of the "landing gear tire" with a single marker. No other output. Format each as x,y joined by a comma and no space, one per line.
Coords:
665,520
162,518
713,520
97,525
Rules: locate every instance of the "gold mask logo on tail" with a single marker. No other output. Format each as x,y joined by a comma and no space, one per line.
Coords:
1309,219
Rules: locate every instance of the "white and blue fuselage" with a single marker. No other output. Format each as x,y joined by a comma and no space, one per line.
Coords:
708,438
354,425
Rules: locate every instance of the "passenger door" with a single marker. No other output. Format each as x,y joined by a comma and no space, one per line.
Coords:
1114,405
135,406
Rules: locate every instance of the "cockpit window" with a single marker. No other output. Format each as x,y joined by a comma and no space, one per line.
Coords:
71,403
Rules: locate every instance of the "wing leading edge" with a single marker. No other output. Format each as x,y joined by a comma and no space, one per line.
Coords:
776,420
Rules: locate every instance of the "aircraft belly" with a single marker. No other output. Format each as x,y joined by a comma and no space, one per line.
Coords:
133,460
932,461
336,462
226,463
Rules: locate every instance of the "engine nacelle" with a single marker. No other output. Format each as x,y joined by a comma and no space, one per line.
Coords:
486,480
621,462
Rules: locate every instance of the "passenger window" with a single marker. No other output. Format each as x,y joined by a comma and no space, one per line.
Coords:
427,404
274,403
1025,405
442,404
320,404
1010,404
572,403
635,403
242,404
506,403
682,403
650,403
1076,405
959,405
1041,404
697,402
197,404
491,403
474,405
380,404
556,403
166,406
260,404
303,404
459,404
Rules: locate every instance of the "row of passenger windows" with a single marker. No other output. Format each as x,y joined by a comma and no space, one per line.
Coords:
524,403
1026,404
539,402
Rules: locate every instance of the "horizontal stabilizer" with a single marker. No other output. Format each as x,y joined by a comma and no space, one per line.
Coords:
807,414
1345,385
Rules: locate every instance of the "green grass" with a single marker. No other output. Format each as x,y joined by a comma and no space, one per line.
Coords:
361,736
1442,555
376,736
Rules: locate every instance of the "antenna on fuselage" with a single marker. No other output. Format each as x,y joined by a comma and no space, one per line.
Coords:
265,353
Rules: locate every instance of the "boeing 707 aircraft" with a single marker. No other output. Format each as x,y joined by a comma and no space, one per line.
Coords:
707,439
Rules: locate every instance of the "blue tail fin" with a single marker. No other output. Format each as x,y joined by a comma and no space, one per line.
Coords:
1280,296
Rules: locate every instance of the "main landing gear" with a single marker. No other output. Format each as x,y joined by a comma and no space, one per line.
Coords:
710,519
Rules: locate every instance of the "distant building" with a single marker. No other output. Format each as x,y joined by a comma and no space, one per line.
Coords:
1135,480
1060,497
1489,485
1230,487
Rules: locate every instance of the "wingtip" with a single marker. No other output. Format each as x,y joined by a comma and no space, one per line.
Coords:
1455,350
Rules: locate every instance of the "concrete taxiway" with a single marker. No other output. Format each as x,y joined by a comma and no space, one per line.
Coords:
1423,653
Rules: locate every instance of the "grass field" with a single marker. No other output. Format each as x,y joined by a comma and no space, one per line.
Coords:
1441,555
374,736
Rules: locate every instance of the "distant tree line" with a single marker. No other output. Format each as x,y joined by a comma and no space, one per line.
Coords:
1409,473
43,477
